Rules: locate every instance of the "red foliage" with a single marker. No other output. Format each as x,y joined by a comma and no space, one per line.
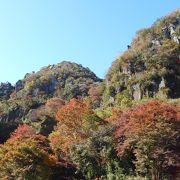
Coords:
22,132
134,120
72,113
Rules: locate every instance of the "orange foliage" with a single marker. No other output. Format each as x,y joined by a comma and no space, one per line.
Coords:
22,132
75,122
73,116
116,113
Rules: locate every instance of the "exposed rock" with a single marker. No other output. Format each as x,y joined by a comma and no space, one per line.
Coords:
166,32
111,100
151,64
137,94
126,70
65,80
162,83
172,28
176,38
19,85
5,90
169,31
156,42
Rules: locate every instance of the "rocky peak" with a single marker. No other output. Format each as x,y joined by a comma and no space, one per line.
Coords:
5,90
64,80
150,66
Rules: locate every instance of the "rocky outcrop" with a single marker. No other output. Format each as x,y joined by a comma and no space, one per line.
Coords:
136,92
19,85
13,112
150,66
169,31
65,80
5,90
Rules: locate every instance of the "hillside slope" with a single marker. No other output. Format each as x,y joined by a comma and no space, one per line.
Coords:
65,80
27,100
151,65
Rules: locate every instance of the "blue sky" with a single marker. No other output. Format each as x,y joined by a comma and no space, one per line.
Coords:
36,33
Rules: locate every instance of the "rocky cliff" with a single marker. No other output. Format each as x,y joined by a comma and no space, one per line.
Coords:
151,65
65,80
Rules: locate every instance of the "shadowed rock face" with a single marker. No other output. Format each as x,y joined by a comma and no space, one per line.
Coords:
151,65
5,90
5,130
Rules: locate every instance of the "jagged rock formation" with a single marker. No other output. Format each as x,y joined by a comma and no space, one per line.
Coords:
151,65
171,30
5,90
65,80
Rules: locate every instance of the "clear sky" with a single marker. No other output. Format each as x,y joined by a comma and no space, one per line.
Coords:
36,33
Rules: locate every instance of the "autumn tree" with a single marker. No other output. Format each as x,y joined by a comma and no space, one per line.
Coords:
95,94
151,131
27,155
26,132
96,158
23,131
76,122
24,160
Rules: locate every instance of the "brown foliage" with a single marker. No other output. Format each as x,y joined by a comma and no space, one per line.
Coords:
24,132
54,104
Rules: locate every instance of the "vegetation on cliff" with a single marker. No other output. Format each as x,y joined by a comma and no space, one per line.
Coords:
63,122
150,67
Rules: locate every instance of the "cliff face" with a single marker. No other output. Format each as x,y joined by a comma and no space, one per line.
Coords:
151,65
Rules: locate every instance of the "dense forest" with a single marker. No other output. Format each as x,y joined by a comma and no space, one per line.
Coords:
65,123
